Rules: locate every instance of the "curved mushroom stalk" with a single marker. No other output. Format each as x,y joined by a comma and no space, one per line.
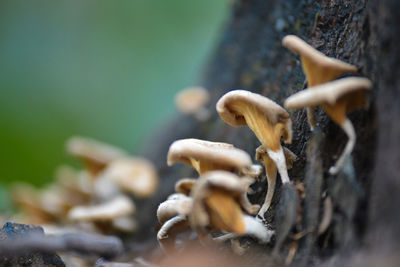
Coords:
271,170
311,118
348,128
247,206
167,234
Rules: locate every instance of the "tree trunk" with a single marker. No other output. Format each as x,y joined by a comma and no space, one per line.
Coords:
365,196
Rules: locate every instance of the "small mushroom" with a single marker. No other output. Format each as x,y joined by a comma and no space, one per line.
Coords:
120,206
185,185
269,122
27,199
317,67
133,175
206,155
270,168
76,184
172,215
217,204
95,155
192,101
337,98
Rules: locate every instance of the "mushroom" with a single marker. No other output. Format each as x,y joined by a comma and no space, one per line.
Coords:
95,155
27,199
120,206
76,184
217,204
337,98
269,122
133,175
317,67
192,100
270,169
185,185
172,215
207,156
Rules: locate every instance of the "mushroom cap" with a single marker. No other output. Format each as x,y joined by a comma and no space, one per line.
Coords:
351,88
185,185
191,99
120,206
214,180
300,47
218,153
134,175
273,112
77,184
28,199
93,150
172,207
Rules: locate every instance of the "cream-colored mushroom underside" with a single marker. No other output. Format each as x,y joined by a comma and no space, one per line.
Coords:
268,134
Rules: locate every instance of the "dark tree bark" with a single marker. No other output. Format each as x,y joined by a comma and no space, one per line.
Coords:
250,56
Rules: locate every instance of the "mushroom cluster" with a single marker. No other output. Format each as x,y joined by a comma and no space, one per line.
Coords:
226,173
337,97
97,198
217,200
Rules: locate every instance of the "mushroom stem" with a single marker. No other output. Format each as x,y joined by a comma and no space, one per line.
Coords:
270,194
279,158
225,237
311,118
348,128
166,237
247,206
257,229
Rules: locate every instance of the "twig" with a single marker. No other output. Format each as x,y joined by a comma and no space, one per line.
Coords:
106,246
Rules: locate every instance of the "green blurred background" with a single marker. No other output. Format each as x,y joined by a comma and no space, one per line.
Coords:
104,69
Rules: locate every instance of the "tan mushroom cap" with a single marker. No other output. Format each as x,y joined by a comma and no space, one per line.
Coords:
27,198
76,184
190,100
317,67
185,185
120,206
351,89
205,155
269,121
134,175
179,205
216,202
94,153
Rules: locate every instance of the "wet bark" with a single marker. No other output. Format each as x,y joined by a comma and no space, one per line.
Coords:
250,56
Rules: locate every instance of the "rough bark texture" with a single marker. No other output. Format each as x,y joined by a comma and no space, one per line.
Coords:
250,56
